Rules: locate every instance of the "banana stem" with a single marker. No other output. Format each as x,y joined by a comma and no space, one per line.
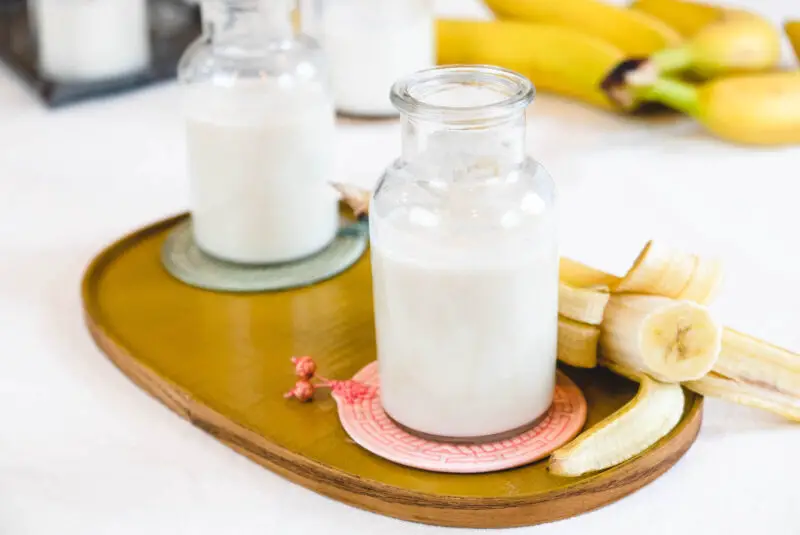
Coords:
672,60
678,95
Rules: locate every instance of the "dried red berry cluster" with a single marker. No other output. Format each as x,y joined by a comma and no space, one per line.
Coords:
304,368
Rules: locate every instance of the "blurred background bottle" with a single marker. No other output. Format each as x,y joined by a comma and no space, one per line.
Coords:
369,45
90,40
260,135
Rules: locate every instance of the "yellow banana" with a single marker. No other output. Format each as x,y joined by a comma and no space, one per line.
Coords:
686,17
793,32
755,109
558,60
736,42
633,32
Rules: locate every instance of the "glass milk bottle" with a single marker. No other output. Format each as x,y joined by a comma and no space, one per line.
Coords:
90,40
465,260
370,44
260,136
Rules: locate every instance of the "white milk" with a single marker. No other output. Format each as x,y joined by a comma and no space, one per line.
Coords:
368,52
466,319
87,40
260,159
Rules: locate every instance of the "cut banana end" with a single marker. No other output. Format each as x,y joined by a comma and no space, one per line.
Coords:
582,304
650,415
577,343
719,386
671,341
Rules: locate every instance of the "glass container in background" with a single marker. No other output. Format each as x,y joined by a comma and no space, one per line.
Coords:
465,260
369,45
260,135
90,40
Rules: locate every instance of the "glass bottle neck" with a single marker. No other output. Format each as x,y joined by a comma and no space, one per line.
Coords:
246,23
464,121
461,150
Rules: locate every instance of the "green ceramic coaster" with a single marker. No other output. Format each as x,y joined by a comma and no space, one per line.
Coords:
186,262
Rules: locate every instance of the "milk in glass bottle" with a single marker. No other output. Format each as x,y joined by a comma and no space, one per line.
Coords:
465,260
260,129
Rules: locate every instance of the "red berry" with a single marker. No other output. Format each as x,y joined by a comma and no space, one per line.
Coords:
304,367
303,391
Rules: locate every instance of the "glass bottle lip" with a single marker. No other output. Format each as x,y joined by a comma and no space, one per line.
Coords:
516,93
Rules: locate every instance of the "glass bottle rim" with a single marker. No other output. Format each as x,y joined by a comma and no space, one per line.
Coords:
517,92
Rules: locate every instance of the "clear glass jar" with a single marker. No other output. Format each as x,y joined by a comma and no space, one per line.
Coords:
260,135
369,45
465,260
90,40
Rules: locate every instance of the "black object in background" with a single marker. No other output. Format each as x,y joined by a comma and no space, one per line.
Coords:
173,26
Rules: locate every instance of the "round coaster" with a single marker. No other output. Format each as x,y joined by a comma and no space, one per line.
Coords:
364,419
186,262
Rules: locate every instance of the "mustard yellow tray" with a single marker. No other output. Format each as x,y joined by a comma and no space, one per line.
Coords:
222,362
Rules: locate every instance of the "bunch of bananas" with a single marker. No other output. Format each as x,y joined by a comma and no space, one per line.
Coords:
717,65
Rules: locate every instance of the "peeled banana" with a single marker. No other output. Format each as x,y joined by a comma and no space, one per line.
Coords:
661,270
556,59
755,109
792,29
633,32
582,304
736,42
577,343
686,17
669,340
650,415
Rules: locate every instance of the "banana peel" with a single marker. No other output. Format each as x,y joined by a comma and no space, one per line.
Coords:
648,417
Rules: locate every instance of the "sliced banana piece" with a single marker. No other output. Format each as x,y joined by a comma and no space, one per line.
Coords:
577,343
582,304
650,415
753,395
669,340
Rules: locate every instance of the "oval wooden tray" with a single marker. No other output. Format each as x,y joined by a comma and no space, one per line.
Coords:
222,362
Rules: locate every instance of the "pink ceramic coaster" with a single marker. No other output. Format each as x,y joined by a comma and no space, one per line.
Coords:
368,425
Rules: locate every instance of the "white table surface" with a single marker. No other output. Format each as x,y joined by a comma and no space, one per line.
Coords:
83,451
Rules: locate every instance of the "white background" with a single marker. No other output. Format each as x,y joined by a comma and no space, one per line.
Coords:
83,451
